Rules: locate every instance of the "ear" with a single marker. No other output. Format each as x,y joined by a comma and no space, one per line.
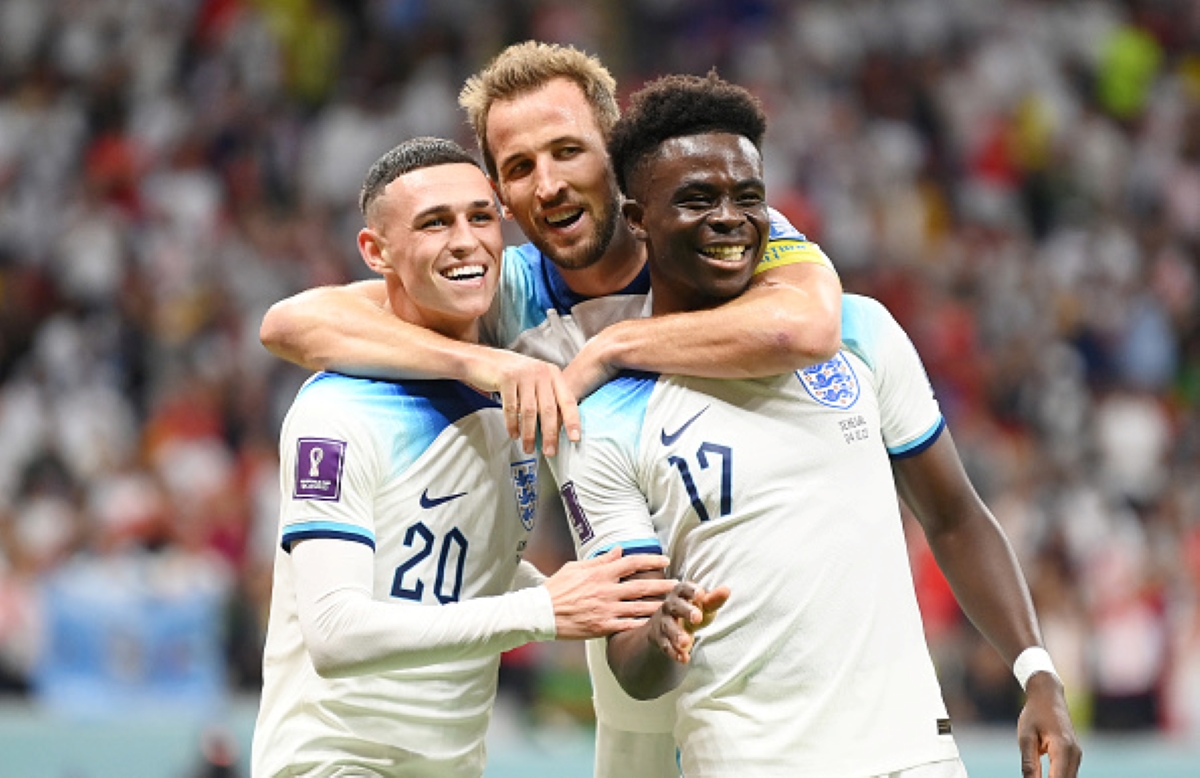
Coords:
634,213
504,212
370,247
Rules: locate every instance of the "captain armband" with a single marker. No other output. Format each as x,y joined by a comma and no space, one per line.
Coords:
792,252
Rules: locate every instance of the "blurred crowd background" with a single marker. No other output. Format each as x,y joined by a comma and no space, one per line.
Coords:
1018,181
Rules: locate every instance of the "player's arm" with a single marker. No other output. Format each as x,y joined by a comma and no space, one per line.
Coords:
789,318
651,660
348,329
606,506
527,575
348,632
973,552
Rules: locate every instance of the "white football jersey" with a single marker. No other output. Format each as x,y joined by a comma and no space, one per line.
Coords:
782,489
423,472
535,313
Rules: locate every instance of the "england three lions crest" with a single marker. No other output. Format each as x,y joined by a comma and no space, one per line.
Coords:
524,478
831,383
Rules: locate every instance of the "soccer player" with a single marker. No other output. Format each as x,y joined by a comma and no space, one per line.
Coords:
542,115
406,505
777,500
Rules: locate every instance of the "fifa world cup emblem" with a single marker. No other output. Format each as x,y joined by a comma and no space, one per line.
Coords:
314,460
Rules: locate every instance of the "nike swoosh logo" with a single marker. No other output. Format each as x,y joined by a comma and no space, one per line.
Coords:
433,502
668,439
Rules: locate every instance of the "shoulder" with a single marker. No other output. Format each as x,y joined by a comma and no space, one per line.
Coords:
448,399
523,294
788,246
629,388
618,407
524,259
865,313
781,228
868,327
400,419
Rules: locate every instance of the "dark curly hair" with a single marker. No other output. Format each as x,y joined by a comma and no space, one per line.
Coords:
679,105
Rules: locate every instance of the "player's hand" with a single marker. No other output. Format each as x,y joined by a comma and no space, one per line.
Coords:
592,598
589,370
533,394
688,608
1045,728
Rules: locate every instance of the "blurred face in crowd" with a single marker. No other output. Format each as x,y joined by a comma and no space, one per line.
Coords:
699,205
434,235
553,172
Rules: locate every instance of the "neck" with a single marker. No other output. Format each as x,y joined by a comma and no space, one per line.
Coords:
399,303
614,271
666,298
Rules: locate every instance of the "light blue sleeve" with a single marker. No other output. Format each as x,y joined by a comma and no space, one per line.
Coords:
598,477
909,413
782,229
519,304
344,437
329,464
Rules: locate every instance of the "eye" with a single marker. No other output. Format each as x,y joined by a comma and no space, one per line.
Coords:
517,169
751,199
483,217
694,201
433,223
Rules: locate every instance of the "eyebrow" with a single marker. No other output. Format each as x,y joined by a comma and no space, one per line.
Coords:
552,143
443,208
705,183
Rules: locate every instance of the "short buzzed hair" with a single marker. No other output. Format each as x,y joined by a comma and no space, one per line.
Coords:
527,67
410,155
676,106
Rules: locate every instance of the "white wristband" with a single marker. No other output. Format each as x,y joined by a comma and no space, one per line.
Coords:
1032,660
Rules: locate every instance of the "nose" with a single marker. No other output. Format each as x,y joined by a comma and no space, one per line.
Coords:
462,239
726,215
548,183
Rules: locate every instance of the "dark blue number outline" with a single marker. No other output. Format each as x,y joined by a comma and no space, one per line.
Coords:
726,454
414,593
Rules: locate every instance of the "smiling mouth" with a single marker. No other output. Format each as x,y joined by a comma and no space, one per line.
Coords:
724,253
465,272
564,218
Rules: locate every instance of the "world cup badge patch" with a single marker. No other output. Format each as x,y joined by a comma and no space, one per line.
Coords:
524,478
319,469
831,383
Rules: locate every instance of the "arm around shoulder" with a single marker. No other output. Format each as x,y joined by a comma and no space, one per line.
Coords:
790,318
322,328
349,329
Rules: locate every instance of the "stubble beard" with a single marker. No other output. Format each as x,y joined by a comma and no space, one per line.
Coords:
591,249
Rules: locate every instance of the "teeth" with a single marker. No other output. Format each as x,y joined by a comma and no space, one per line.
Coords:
563,217
464,271
723,252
